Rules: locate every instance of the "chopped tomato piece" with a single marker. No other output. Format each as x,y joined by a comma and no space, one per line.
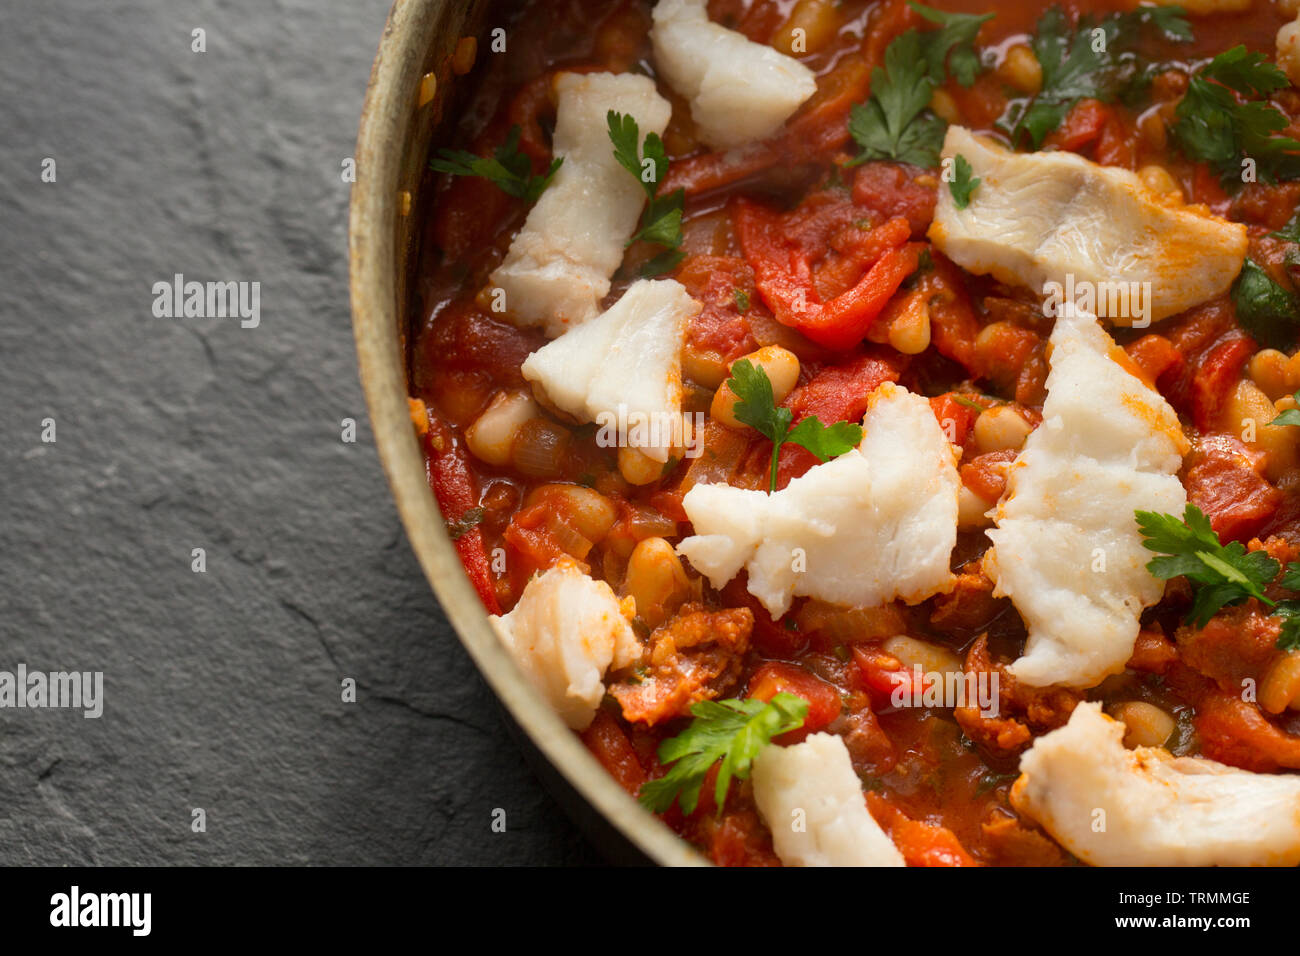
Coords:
1154,355
890,189
1217,376
1082,126
922,844
611,746
1236,732
954,418
986,474
1223,481
882,674
777,677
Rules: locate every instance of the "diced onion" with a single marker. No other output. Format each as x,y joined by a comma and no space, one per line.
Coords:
540,448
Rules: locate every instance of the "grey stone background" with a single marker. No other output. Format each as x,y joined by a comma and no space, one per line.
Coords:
222,689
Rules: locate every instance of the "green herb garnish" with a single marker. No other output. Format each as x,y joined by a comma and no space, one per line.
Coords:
895,123
962,183
508,167
1224,574
661,223
1092,60
1269,312
733,731
758,409
465,523
1218,122
1289,417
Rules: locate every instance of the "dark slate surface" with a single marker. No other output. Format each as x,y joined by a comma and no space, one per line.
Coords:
222,689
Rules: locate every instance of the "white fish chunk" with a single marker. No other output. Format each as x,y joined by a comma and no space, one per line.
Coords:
566,631
559,265
1056,217
875,524
739,90
813,803
1115,807
624,367
1066,548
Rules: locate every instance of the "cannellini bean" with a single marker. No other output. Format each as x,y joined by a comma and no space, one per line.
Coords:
1151,125
1293,373
1147,725
1021,69
1159,180
590,512
910,330
1280,687
817,20
655,580
637,468
998,428
1249,411
704,368
931,658
782,368
972,510
493,433
1288,50
1268,370
944,106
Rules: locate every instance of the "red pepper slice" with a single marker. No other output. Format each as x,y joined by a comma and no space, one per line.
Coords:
457,493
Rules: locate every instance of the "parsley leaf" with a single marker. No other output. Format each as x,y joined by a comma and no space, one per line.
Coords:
895,123
733,731
757,408
742,300
465,523
962,184
661,223
1094,60
1290,417
1269,312
508,167
1216,122
1291,231
1289,638
953,43
825,441
1226,574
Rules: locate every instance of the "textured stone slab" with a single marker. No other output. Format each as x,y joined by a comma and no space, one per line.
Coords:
222,688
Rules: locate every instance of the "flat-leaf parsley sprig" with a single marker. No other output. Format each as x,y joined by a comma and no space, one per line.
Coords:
757,408
733,731
962,183
1221,120
508,167
1223,575
895,123
1091,60
661,223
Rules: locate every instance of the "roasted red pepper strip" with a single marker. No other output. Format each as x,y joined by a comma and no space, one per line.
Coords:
845,319
1216,378
783,276
457,493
